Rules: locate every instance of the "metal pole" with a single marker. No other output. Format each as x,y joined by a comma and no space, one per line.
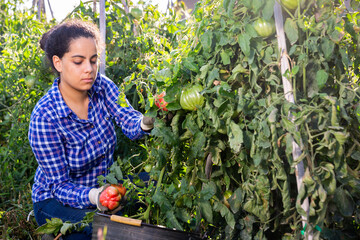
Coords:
102,36
289,96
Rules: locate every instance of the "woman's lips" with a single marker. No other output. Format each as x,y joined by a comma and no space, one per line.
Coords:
88,80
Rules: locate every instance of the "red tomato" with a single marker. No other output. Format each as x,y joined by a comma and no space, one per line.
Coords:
110,198
160,102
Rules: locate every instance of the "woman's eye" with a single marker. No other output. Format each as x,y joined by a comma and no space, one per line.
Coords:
77,63
93,62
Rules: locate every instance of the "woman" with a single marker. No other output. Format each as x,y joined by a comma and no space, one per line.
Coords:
71,128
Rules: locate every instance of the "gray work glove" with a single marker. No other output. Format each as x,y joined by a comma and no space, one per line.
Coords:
94,197
147,123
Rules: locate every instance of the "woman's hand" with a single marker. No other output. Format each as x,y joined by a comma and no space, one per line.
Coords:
147,123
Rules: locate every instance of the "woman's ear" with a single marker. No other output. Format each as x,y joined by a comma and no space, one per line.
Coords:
57,63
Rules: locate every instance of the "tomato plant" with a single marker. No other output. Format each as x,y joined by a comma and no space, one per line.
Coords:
191,98
264,28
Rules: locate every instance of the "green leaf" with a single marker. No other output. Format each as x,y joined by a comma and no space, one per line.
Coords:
250,30
208,191
66,227
161,131
239,69
257,5
206,211
117,170
235,136
213,75
225,57
50,227
174,222
198,144
291,30
122,100
235,200
327,47
344,202
173,106
244,42
356,155
357,112
189,64
229,6
206,40
111,178
321,78
268,9
204,70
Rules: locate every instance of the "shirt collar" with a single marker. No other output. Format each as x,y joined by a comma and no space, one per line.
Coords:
96,88
61,107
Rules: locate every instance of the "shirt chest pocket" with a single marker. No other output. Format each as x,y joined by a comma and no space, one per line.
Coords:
82,147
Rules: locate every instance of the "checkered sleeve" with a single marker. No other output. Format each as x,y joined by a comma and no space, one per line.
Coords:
49,151
126,117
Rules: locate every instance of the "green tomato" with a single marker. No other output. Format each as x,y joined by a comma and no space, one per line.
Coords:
29,81
136,12
148,167
290,4
191,98
264,28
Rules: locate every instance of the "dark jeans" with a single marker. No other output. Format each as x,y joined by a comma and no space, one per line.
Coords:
52,208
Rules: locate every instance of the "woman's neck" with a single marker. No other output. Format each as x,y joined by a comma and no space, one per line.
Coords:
76,100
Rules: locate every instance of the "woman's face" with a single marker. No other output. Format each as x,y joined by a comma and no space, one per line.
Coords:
78,67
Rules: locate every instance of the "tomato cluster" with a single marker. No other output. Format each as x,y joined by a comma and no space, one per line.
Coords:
160,102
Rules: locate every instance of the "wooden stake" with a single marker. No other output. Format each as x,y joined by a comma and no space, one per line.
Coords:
102,36
289,96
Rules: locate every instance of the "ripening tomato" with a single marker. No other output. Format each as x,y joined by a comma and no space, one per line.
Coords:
160,102
191,98
264,28
110,198
120,188
290,4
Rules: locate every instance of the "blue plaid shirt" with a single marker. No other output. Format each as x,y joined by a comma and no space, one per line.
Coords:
72,152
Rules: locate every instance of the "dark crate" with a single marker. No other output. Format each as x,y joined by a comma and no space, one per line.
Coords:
123,231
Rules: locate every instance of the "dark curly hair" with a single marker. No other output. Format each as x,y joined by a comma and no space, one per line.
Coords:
57,40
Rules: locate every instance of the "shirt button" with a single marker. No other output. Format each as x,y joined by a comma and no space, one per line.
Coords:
103,172
92,126
103,156
107,118
90,107
99,142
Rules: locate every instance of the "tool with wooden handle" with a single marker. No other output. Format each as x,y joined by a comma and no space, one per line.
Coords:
125,220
